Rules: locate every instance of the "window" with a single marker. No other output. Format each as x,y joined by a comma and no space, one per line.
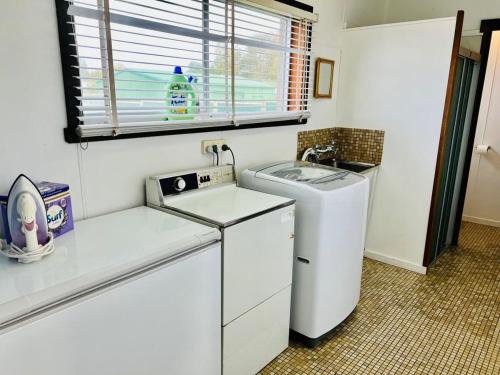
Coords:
147,67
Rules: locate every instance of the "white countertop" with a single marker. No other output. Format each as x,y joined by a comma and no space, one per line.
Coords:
225,205
98,250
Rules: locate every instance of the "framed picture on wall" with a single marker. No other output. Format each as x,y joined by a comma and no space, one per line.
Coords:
323,82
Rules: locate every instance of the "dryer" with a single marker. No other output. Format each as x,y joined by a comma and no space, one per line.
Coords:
330,227
257,258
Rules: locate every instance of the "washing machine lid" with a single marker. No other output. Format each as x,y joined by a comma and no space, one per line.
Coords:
316,176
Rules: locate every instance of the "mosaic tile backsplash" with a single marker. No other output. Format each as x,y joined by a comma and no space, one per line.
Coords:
364,145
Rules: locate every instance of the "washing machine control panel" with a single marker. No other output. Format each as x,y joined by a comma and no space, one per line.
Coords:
179,182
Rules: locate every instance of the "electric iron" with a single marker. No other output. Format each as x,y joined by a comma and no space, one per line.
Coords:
27,221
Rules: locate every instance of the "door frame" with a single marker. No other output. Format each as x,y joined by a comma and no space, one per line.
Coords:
487,28
442,138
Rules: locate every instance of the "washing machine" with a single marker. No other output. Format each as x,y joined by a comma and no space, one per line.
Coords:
330,226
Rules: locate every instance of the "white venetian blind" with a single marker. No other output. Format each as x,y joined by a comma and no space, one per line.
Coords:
158,65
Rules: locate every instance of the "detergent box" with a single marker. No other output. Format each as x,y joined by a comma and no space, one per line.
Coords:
58,204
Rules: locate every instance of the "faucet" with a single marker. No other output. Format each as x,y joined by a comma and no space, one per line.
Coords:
310,153
316,151
324,149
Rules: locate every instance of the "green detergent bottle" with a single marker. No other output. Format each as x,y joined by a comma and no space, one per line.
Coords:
181,97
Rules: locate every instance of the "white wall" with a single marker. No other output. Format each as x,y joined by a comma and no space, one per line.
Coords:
364,13
110,175
32,98
375,12
475,10
482,202
394,78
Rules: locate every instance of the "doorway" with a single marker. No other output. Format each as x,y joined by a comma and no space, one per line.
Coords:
489,28
469,125
482,199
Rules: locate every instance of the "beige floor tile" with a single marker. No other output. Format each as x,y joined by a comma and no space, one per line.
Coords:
446,322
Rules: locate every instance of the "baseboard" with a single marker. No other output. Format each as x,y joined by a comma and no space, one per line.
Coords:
480,220
395,261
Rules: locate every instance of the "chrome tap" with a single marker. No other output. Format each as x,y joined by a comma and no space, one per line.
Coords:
315,152
319,149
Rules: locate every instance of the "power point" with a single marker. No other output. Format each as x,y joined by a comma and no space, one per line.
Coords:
206,146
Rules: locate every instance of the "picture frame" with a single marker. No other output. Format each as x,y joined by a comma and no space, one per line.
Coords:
323,82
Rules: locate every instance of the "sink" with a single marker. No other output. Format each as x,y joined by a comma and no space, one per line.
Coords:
353,166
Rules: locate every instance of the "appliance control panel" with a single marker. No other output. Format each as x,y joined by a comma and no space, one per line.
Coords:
179,182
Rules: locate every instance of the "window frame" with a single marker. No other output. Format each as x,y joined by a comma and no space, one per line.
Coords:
68,51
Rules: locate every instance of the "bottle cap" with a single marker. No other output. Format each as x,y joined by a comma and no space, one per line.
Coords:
177,70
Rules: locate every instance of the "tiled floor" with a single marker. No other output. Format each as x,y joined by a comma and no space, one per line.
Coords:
446,322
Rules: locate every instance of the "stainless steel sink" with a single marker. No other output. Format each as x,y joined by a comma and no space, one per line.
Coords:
353,166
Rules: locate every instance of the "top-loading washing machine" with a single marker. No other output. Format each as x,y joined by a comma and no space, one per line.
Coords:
330,226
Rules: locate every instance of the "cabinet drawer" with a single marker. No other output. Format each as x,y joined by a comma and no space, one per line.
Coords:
257,337
257,260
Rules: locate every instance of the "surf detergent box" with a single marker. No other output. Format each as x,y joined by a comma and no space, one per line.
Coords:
57,203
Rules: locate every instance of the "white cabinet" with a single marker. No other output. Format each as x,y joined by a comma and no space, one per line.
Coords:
165,321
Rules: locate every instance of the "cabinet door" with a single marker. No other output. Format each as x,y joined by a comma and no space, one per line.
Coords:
258,258
165,322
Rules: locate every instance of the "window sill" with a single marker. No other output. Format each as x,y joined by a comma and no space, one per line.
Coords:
71,136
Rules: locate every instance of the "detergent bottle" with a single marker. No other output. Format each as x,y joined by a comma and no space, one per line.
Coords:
181,96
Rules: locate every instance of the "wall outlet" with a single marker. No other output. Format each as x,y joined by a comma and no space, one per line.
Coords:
207,145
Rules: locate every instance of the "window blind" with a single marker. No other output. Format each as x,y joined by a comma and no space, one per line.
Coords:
158,65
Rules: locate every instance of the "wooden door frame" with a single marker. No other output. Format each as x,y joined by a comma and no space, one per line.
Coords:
487,28
442,138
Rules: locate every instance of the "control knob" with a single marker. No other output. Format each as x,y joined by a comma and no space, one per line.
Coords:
179,184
